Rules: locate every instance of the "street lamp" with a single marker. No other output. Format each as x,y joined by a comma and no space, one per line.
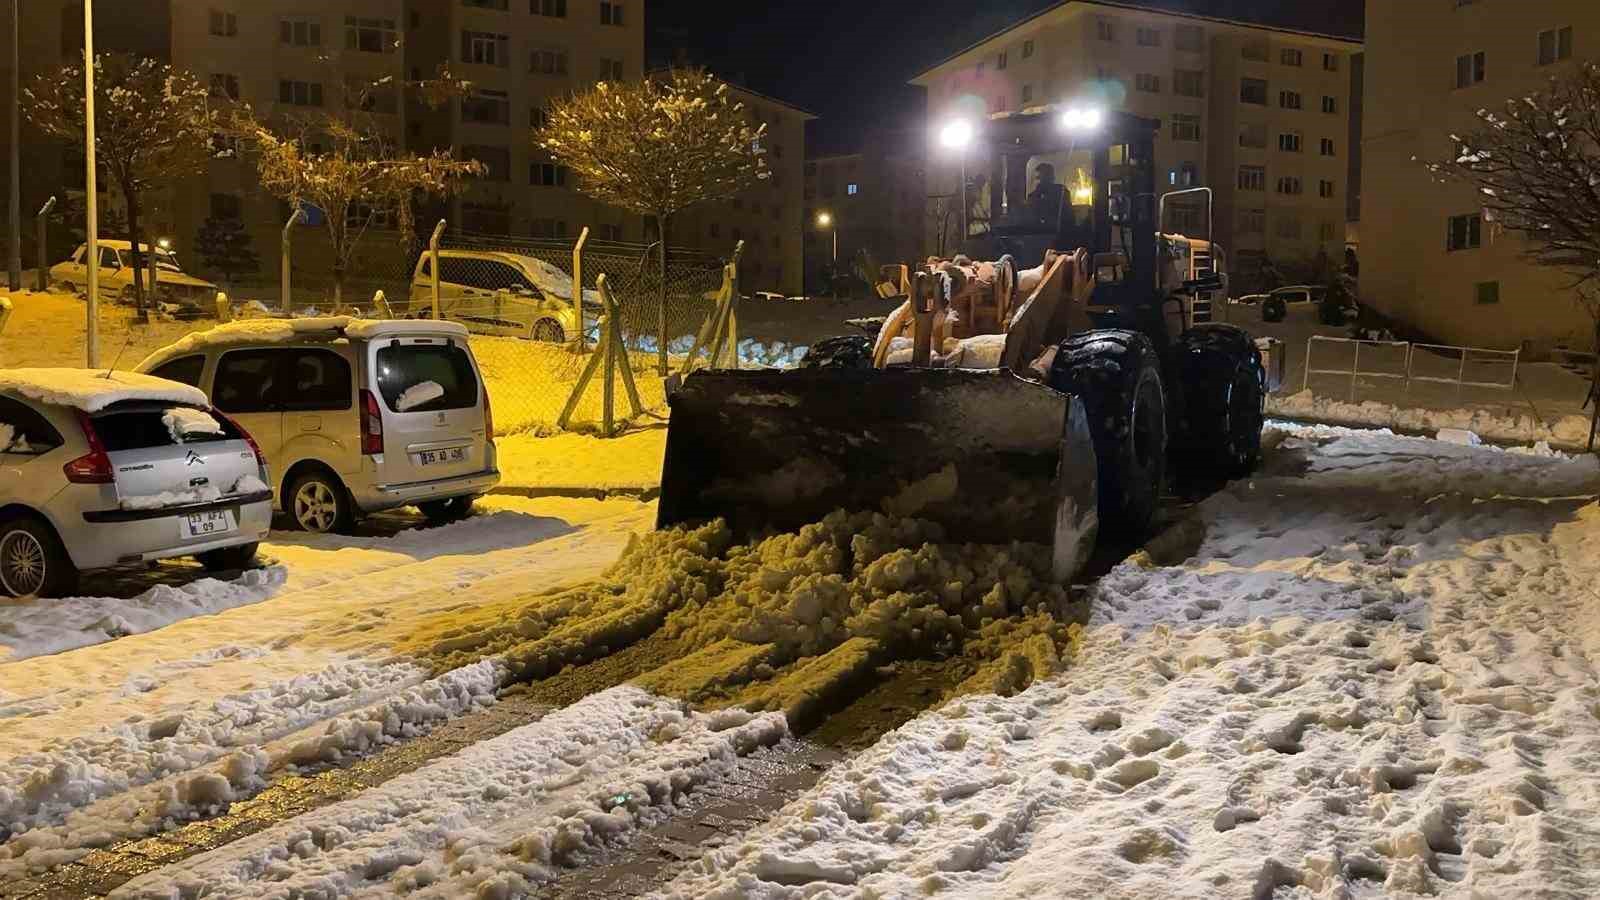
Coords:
91,210
957,135
825,220
1082,118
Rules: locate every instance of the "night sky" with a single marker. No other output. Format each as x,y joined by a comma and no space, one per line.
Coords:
848,60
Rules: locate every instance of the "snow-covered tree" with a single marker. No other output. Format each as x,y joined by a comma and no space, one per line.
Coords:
224,245
153,125
656,147
1535,164
346,162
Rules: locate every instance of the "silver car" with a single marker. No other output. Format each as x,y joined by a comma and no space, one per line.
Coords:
355,415
100,471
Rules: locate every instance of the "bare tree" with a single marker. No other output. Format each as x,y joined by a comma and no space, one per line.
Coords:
1535,164
153,125
656,147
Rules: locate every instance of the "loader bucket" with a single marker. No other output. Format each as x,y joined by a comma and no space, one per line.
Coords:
991,457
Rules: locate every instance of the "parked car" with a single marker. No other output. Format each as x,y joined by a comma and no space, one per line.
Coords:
1249,300
505,293
101,470
192,297
356,416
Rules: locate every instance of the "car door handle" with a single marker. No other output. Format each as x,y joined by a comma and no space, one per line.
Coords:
310,423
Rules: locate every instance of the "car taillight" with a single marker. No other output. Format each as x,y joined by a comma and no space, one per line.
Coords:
261,458
488,416
93,467
371,425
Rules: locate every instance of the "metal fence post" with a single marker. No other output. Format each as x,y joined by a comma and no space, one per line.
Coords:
284,302
1411,352
1305,382
1461,373
433,263
43,275
580,342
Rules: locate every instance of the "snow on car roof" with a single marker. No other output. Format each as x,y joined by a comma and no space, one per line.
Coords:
282,331
92,390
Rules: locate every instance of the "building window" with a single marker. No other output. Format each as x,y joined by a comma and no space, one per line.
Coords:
226,206
1289,184
1469,69
479,218
1325,189
1252,221
548,62
611,12
1327,147
1289,99
1487,293
1254,50
1104,30
1001,60
1327,231
538,116
852,189
1330,62
610,232
1253,90
1466,232
1291,58
224,24
1189,38
547,175
716,229
1288,226
555,9
1147,37
610,69
1027,49
1001,104
1330,105
485,48
1555,45
1185,175
1253,137
496,160
549,228
1289,142
300,93
1148,83
1252,178
370,35
488,4
1188,83
1027,93
224,86
487,108
300,32
1185,127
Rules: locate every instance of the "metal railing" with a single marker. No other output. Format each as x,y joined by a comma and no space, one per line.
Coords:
1409,375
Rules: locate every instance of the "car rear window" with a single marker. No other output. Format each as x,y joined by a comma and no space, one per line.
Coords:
404,366
141,425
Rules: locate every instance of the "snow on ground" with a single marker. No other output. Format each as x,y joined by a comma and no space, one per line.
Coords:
305,674
1570,430
1376,676
568,460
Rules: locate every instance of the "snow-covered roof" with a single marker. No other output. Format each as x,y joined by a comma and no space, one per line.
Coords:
92,390
283,331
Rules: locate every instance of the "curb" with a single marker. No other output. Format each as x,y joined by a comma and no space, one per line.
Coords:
642,493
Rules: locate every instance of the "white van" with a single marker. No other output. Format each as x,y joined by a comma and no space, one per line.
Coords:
355,416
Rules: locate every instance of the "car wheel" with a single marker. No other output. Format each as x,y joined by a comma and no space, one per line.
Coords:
68,287
128,296
548,332
32,560
453,509
228,558
319,504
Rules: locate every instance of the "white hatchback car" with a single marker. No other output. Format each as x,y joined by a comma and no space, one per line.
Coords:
355,415
101,470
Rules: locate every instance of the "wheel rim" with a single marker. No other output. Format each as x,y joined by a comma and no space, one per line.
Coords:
547,332
315,506
22,563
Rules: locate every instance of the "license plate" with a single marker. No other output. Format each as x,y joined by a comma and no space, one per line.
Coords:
442,457
207,524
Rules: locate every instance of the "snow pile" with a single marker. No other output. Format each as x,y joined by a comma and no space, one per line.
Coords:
184,421
8,436
1570,431
37,627
495,820
203,494
1374,677
418,395
249,484
92,390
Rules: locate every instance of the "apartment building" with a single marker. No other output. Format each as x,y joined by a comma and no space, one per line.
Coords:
1261,115
874,199
768,217
1429,257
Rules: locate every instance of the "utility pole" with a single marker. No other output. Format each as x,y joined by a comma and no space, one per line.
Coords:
16,152
91,204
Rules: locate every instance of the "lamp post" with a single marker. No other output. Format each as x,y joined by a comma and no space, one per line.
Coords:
957,135
15,262
91,210
825,220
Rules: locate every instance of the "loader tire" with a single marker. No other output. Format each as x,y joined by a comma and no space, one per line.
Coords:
1223,382
847,351
1117,375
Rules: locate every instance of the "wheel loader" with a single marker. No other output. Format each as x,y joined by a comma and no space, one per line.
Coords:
1040,386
